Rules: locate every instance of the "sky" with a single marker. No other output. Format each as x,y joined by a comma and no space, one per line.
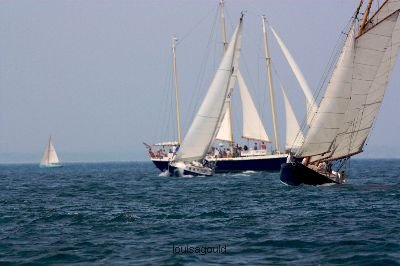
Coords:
97,75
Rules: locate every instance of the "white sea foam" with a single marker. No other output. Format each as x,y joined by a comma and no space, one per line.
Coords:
165,173
249,172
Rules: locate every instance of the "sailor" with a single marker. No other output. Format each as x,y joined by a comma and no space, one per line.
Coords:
263,146
255,146
216,153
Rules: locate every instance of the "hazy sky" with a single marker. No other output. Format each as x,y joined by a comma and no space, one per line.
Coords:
97,74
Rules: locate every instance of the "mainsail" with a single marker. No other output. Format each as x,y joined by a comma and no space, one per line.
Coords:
375,57
329,117
208,119
50,155
355,93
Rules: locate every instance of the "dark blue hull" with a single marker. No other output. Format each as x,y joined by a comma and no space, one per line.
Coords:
295,174
161,165
224,166
268,164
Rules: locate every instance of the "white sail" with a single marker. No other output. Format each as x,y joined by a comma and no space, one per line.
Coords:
225,131
376,53
294,135
253,127
208,119
329,117
50,155
311,105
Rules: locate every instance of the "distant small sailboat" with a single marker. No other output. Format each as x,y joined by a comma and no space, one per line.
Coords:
50,158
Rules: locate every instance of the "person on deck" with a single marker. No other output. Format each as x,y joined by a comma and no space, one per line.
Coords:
263,146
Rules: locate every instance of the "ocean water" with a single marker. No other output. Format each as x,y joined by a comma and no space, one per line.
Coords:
127,214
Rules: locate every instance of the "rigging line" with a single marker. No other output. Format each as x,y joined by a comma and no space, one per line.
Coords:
284,87
166,111
251,88
200,77
169,116
196,25
334,56
170,105
165,95
328,71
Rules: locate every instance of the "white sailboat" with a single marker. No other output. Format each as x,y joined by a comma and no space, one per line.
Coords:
50,158
241,158
204,128
340,126
253,127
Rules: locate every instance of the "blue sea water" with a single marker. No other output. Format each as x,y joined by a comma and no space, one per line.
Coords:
127,214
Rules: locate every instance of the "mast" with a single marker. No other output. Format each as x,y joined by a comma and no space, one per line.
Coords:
203,130
364,21
225,43
178,115
271,89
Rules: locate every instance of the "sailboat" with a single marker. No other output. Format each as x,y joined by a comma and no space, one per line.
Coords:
240,158
341,124
190,158
50,158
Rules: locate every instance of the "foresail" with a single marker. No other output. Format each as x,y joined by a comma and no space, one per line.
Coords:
311,104
376,55
294,135
225,131
253,127
208,119
329,116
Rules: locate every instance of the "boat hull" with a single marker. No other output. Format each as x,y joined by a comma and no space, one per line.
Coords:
295,174
239,164
175,171
51,165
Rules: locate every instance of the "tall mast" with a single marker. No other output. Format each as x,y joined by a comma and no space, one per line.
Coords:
366,14
271,89
225,43
178,115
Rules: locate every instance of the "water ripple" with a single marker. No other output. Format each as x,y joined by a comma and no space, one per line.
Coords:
128,213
